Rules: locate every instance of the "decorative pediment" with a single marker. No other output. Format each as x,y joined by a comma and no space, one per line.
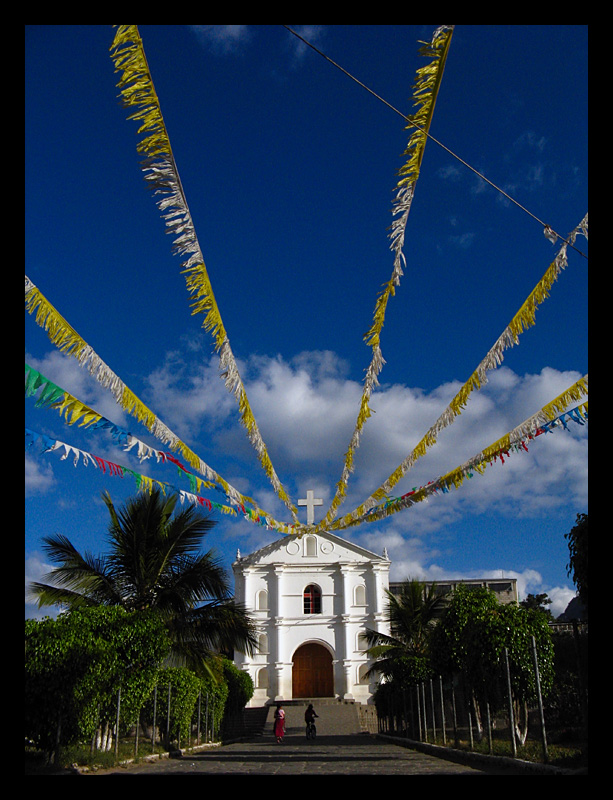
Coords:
322,548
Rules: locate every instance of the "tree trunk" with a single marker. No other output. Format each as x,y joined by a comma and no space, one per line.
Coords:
476,716
104,737
521,721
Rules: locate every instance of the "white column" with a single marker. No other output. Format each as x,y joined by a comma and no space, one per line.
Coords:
379,605
347,632
278,657
243,593
248,600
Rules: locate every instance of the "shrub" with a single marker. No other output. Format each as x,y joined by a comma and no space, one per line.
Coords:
75,664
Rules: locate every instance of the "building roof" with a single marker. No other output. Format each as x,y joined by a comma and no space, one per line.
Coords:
326,549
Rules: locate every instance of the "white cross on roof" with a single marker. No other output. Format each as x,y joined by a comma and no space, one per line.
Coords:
310,504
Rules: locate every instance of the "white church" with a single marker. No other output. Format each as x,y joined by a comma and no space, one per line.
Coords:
312,598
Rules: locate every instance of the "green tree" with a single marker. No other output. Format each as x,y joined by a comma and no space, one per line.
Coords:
75,665
470,640
182,686
154,562
577,566
184,689
537,602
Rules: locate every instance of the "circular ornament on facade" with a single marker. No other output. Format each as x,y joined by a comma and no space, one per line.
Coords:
327,547
293,548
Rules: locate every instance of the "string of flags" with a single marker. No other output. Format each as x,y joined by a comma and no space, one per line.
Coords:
513,442
53,396
138,94
50,395
137,91
68,341
143,482
443,484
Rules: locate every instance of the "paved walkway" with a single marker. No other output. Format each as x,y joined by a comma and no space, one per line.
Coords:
328,755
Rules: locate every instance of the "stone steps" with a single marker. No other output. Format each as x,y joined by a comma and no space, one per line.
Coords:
335,718
248,723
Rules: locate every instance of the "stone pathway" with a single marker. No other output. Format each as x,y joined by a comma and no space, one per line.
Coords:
357,755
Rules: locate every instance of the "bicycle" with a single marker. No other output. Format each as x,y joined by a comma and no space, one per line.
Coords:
311,730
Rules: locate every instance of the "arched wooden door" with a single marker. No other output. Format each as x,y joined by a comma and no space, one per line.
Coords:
312,673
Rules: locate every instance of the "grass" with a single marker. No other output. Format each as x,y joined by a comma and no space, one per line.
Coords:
81,755
572,754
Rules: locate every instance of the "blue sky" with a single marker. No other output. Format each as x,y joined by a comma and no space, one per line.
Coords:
290,170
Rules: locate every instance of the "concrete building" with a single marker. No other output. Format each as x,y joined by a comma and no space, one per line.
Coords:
505,589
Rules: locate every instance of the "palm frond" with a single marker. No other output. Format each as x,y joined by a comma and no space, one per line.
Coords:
80,575
48,595
218,626
411,615
155,560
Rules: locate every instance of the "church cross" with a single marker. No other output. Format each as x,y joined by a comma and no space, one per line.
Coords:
310,503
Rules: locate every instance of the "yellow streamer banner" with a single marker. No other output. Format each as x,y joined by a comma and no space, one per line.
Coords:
137,92
425,93
63,336
510,441
524,319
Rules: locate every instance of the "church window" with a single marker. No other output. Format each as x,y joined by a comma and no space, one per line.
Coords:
310,547
312,599
360,595
262,679
362,676
261,601
263,643
362,642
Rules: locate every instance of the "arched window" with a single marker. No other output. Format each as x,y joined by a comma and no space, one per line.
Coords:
310,546
261,602
360,595
362,676
312,599
261,681
262,643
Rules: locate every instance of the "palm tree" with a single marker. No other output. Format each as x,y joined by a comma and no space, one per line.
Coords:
403,654
154,562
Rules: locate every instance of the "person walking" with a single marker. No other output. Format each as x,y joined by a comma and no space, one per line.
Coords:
279,724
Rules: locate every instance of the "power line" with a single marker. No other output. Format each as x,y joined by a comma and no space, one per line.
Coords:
549,231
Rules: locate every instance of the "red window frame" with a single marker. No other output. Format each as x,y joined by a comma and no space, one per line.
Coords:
312,599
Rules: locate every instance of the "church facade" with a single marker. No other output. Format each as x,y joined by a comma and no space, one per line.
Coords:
312,598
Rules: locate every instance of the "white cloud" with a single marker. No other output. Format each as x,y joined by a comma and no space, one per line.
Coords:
306,410
531,141
187,397
35,571
560,597
313,34
38,477
450,172
223,39
464,240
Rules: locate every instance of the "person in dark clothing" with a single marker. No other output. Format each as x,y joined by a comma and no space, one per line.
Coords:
309,718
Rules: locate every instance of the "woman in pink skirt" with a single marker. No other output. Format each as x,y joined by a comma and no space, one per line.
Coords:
279,726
